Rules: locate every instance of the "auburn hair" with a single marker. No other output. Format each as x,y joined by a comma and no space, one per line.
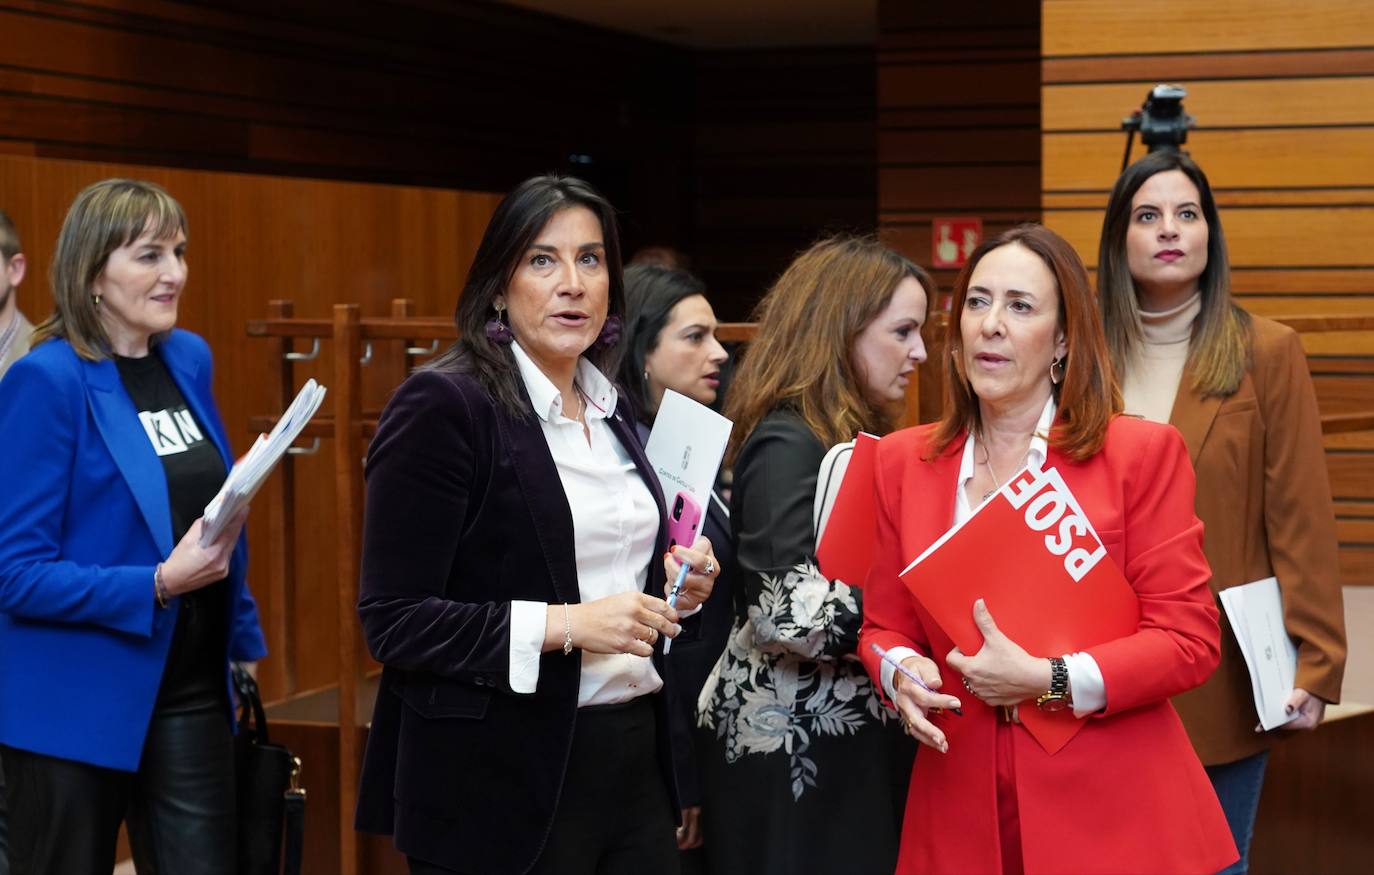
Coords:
800,357
1087,398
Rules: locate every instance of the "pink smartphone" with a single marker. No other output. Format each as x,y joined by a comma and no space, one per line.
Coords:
684,519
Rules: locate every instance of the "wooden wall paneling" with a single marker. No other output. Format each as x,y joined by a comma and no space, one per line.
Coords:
783,153
1326,102
1209,65
958,133
1101,27
1342,158
1313,814
420,93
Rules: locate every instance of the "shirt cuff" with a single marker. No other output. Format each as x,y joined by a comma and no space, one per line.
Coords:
528,621
1086,682
888,670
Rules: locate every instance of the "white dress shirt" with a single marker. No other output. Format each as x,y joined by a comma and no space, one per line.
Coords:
615,525
1085,677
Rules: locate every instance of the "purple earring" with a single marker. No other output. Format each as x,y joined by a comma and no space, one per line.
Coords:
610,332
498,331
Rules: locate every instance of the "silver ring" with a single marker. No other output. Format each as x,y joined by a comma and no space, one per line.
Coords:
710,566
653,634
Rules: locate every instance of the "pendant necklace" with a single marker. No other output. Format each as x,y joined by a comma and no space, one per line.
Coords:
987,463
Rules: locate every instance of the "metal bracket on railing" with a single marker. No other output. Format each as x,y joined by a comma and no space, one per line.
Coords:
367,353
424,350
305,356
305,451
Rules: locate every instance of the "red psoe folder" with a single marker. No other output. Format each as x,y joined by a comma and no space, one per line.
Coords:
1032,555
845,551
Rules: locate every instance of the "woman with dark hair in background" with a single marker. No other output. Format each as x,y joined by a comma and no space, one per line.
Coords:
1237,387
1029,387
670,340
116,624
511,582
804,769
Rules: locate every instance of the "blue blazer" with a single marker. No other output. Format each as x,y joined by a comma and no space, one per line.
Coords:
84,519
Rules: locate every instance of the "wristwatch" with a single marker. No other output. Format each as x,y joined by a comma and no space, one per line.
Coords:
1056,698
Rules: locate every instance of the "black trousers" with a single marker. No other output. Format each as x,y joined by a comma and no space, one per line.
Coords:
180,805
614,816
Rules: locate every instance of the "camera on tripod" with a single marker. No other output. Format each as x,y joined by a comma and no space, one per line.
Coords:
1161,121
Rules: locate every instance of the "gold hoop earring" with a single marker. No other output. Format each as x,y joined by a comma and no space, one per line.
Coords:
96,298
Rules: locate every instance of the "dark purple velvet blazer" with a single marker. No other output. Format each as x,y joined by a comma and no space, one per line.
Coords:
465,512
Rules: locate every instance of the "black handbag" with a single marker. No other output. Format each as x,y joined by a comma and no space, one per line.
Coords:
271,803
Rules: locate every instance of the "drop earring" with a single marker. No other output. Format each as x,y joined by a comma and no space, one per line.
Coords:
498,332
610,333
1057,363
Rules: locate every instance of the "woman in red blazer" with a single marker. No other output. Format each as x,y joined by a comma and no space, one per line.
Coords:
1030,386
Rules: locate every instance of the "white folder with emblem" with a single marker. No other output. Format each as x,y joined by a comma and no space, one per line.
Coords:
251,471
685,448
1256,614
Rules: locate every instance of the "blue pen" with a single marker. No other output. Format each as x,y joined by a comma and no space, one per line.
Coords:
672,598
909,674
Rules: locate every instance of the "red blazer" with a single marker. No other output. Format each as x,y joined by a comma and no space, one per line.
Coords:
1127,794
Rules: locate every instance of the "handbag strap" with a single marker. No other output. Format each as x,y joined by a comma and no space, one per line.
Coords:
294,829
250,700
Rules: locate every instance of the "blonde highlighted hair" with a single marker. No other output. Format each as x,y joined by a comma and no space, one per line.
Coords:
105,216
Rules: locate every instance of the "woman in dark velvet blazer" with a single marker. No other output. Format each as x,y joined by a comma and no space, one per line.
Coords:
509,585
670,343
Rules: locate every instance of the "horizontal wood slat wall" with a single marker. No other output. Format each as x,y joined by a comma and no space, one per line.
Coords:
1284,97
459,94
253,239
958,128
783,153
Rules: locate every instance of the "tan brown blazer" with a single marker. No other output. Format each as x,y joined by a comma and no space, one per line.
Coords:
1264,497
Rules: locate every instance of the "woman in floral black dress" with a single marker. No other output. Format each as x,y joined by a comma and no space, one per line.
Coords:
804,768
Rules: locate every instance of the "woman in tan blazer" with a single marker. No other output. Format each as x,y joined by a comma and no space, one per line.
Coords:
1238,389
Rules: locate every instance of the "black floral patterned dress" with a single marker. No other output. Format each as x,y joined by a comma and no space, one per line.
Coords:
804,769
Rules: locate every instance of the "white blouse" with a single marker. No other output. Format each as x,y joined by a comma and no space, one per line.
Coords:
615,525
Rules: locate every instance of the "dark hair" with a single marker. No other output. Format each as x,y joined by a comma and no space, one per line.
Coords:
1219,351
514,225
1088,396
802,353
651,293
9,237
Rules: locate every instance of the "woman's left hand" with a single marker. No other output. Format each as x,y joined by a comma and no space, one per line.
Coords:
1310,710
1001,673
700,580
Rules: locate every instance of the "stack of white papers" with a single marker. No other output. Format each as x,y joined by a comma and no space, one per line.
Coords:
251,470
1256,614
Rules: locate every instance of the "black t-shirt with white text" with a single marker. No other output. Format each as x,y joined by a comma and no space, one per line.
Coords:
194,675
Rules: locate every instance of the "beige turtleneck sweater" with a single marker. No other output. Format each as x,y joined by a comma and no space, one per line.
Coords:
1154,372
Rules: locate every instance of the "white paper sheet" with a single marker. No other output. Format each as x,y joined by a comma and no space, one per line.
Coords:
1256,614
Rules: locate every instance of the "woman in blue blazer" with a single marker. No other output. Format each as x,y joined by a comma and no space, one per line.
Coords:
116,625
